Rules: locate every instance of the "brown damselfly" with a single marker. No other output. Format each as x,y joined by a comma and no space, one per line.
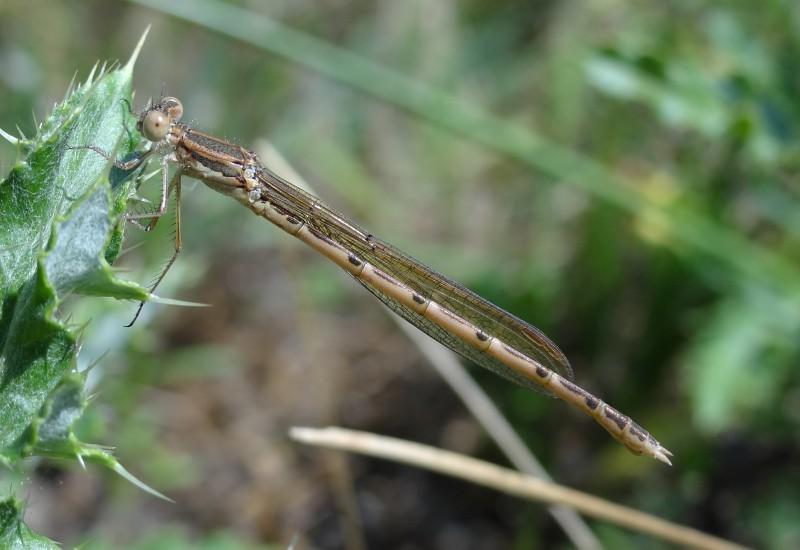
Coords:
443,309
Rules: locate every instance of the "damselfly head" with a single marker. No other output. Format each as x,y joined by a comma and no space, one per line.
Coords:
156,120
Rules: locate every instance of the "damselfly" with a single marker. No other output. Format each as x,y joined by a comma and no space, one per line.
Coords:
438,306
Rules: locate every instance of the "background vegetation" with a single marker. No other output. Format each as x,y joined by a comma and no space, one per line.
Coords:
623,176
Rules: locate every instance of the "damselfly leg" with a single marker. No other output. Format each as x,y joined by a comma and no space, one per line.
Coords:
167,187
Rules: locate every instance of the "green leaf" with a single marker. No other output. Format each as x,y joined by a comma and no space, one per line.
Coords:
14,534
52,434
75,261
59,206
57,237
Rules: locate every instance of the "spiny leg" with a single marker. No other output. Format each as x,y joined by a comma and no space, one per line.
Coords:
166,188
141,177
175,184
126,166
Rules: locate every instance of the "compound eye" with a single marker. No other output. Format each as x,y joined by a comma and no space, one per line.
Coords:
173,107
155,126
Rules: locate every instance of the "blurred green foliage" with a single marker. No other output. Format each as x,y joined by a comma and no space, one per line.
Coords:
173,538
627,183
